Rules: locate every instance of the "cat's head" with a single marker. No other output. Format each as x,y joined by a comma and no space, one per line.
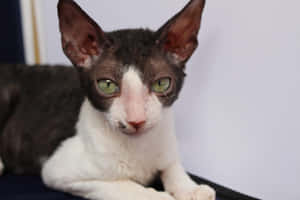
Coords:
130,75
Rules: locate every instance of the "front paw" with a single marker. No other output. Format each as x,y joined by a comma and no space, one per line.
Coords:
1,167
200,192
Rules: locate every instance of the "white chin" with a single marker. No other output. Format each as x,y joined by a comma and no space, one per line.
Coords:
134,132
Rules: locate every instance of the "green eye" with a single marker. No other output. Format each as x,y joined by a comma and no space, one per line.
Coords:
161,85
108,87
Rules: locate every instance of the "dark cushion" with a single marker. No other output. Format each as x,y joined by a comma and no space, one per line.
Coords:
32,188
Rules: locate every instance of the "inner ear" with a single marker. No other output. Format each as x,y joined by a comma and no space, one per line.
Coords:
83,40
178,36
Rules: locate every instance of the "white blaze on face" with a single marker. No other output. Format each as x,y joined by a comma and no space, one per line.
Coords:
134,96
136,104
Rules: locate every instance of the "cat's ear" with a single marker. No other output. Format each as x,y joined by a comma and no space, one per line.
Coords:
83,41
178,37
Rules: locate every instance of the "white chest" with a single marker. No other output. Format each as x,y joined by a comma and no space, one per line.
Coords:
99,152
138,159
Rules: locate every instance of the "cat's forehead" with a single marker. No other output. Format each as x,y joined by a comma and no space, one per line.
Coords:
133,46
133,49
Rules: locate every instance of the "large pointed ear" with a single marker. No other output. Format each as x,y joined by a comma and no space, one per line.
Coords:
178,37
83,41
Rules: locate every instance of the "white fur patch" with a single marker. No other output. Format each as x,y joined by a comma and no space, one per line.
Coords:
201,192
134,96
102,152
1,167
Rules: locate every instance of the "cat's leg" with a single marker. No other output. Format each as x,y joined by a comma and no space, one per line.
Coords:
182,187
8,96
109,190
1,166
82,182
4,111
71,170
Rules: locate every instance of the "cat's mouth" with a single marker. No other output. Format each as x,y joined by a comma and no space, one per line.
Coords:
131,130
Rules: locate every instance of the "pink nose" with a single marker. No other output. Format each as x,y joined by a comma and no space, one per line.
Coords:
137,125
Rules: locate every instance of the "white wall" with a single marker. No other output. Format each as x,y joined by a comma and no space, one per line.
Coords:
238,115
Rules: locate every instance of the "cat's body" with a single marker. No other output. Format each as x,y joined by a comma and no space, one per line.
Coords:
105,130
44,104
50,103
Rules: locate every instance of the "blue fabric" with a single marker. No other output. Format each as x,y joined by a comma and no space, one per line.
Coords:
31,188
11,48
28,188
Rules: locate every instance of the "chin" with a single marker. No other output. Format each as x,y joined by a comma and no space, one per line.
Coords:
136,133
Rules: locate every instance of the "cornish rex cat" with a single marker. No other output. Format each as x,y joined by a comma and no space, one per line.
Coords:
104,129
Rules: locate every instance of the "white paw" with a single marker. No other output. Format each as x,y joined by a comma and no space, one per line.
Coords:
1,167
201,192
154,195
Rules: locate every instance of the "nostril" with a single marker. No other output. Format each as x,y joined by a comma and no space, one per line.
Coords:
137,125
122,126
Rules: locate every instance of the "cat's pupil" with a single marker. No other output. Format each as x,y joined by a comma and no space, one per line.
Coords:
108,84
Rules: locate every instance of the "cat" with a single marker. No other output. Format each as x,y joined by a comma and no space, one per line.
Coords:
104,129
